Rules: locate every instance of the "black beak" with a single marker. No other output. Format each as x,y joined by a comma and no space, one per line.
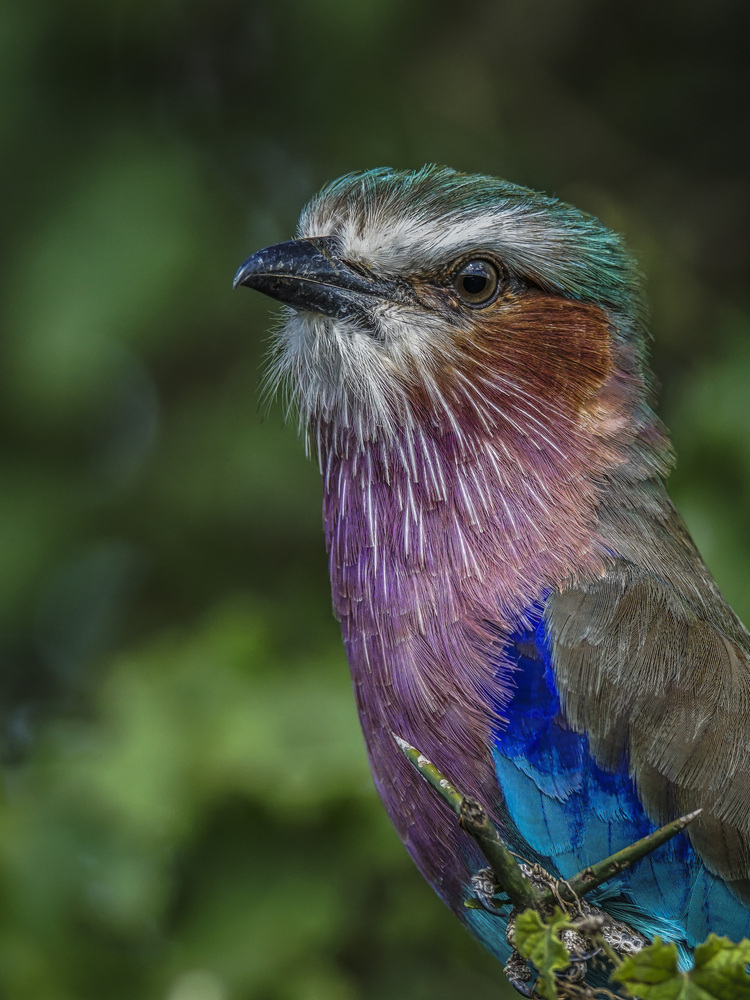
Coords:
310,275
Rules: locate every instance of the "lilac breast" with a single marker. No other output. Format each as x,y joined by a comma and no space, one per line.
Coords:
435,551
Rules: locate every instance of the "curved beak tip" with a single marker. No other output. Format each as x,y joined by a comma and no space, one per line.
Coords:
243,272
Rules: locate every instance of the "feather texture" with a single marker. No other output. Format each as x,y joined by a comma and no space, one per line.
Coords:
517,596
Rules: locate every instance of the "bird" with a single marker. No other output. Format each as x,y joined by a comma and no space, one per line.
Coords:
518,596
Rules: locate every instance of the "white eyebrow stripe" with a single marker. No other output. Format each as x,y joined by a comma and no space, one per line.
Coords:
521,237
393,243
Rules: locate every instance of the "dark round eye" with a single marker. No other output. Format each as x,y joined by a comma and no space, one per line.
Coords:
476,282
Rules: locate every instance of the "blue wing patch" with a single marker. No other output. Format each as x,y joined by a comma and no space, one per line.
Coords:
565,812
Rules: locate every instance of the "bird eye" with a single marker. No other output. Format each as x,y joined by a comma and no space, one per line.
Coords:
476,282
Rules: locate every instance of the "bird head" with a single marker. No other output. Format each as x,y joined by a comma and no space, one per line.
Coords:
466,304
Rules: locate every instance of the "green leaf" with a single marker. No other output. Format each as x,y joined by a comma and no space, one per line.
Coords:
719,972
539,942
720,968
652,974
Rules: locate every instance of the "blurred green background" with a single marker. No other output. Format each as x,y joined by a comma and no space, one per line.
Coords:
187,811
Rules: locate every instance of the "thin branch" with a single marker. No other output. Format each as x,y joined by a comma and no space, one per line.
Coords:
519,889
477,823
431,775
605,870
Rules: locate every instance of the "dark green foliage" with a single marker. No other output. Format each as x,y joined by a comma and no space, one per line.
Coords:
538,941
188,813
719,972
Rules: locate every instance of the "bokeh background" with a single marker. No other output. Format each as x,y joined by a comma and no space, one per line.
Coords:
187,812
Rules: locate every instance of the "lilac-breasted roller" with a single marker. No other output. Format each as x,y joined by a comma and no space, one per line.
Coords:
519,599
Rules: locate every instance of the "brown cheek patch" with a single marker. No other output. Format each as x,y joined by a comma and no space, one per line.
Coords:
559,351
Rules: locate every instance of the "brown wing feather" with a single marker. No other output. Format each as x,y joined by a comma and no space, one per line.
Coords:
659,674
